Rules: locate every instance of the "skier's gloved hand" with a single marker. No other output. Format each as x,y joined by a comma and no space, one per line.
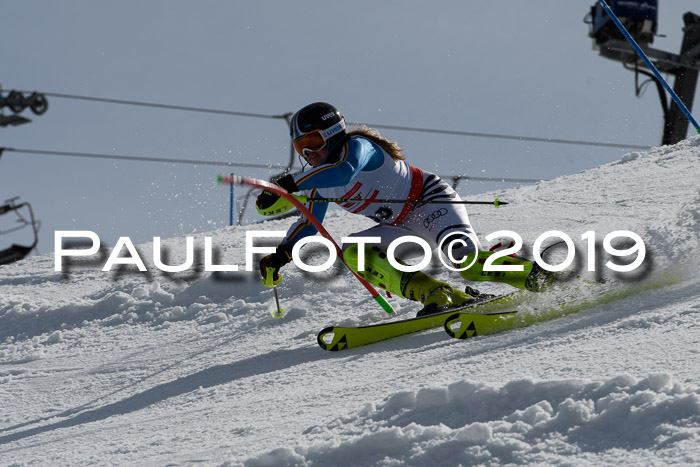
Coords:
265,200
271,264
269,204
287,182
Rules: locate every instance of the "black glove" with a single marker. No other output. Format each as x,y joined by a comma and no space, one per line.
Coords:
265,200
271,264
287,182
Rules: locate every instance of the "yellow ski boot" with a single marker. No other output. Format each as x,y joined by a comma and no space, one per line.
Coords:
532,277
433,294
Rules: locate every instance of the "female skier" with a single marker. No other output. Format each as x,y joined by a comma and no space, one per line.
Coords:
361,164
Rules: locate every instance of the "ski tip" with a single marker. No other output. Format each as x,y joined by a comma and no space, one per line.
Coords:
329,339
452,323
320,337
456,328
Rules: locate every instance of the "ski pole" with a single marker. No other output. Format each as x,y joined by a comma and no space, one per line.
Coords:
303,199
270,282
648,63
279,313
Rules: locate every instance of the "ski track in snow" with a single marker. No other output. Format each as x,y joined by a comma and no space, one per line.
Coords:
127,368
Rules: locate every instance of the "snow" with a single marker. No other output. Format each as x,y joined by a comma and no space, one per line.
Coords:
132,368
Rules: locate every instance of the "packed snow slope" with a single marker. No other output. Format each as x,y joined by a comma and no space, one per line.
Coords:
133,368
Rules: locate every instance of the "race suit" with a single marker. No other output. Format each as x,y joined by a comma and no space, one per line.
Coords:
365,171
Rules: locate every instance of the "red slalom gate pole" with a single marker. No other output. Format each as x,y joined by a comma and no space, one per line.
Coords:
239,180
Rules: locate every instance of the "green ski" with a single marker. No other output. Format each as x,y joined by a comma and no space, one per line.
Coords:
336,338
485,317
464,325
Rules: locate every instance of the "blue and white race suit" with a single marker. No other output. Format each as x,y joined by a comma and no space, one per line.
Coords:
365,171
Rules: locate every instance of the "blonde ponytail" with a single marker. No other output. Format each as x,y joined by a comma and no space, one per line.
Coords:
373,135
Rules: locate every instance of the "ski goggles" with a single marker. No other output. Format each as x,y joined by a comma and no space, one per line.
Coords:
316,140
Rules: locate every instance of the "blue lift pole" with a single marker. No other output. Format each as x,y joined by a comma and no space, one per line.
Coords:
231,204
648,63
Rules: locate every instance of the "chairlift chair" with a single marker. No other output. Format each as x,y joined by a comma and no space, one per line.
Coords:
17,252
